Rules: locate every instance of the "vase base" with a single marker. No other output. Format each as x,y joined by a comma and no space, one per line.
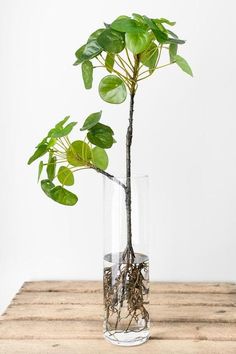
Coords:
127,339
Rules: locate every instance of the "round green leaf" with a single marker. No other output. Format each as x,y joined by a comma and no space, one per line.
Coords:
87,74
101,128
99,158
65,176
79,153
87,52
95,34
91,120
111,41
127,25
63,196
149,56
47,186
112,89
102,139
137,42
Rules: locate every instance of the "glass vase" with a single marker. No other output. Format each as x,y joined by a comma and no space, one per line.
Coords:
126,262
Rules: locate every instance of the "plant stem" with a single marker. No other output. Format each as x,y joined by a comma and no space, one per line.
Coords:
111,177
129,252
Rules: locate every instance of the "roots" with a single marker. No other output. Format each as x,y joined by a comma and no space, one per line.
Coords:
126,295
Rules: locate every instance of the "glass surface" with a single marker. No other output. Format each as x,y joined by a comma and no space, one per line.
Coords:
126,279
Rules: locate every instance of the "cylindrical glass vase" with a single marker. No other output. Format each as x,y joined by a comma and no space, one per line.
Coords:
126,262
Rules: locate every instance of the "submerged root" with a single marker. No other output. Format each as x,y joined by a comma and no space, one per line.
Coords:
126,296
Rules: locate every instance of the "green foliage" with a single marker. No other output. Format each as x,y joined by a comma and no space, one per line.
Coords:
173,48
47,186
79,153
111,41
127,25
110,61
137,42
91,120
51,167
112,89
87,52
65,176
101,135
40,170
99,158
149,56
122,43
131,49
87,74
41,150
63,196
183,64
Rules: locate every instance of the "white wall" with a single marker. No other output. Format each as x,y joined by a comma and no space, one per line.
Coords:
184,139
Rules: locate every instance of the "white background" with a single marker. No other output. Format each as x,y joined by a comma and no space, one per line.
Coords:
185,139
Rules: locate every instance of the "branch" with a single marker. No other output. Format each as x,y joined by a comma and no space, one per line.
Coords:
111,177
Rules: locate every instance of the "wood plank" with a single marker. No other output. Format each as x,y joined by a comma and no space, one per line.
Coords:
156,287
102,347
163,313
93,330
95,298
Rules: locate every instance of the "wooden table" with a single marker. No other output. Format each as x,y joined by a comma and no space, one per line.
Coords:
66,318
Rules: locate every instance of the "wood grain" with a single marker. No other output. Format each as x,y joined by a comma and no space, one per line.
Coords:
102,347
66,317
61,297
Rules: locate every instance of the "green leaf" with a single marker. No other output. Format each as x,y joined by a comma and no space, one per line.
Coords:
139,18
149,56
60,124
59,133
95,34
87,74
47,186
183,64
65,176
172,52
103,140
109,62
127,25
111,41
63,196
79,153
164,20
91,120
158,31
42,142
40,169
87,52
99,158
112,89
137,42
172,34
101,128
51,167
41,150
52,142
175,41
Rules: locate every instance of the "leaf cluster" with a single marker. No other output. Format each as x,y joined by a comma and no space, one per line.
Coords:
64,157
119,44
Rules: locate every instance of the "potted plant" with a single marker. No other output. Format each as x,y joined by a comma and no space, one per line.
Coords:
130,49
